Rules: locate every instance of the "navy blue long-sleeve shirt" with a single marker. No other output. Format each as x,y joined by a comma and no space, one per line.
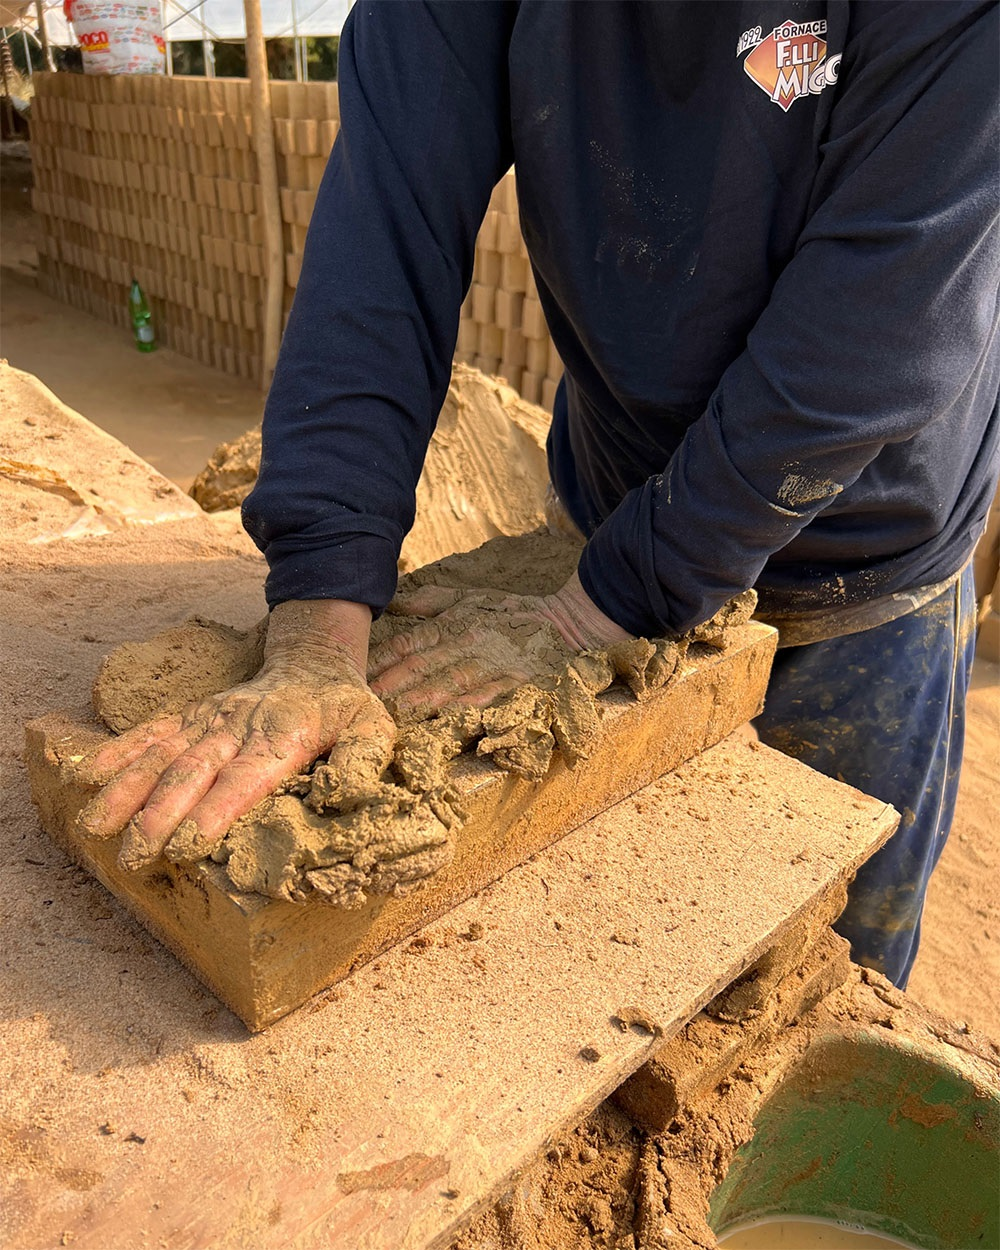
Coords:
765,239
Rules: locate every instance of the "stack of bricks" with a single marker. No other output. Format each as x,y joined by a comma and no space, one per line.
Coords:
306,121
156,178
153,178
502,328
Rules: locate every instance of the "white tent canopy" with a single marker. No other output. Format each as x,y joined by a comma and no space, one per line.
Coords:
200,19
223,19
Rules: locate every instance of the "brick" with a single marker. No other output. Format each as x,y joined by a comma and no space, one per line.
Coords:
468,337
508,820
531,387
486,269
508,309
748,995
490,341
514,273
509,239
483,304
513,353
533,323
707,1051
536,355
487,239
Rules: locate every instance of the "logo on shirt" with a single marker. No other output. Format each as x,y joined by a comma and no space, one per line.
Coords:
790,62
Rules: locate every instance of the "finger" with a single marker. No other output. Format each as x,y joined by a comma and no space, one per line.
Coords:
426,600
425,663
254,774
485,695
112,808
187,780
124,750
397,648
469,682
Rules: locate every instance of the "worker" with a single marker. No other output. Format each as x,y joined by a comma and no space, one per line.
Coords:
764,238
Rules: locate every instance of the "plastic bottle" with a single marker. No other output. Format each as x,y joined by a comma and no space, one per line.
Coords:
142,319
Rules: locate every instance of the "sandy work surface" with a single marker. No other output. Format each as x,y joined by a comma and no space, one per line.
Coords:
66,604
86,991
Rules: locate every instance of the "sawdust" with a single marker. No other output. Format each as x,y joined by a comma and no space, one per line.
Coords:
340,839
485,473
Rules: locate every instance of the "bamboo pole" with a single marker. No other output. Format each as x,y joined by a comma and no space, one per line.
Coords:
262,127
43,35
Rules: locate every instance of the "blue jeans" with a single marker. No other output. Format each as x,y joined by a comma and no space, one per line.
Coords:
884,710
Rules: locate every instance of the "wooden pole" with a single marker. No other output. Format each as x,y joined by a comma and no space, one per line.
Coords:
262,129
43,35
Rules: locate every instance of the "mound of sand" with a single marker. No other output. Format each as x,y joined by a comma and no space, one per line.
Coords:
485,474
62,477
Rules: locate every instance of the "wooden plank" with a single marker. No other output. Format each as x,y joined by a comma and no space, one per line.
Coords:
388,1116
265,957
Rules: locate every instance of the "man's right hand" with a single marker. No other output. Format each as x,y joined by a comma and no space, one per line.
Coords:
176,784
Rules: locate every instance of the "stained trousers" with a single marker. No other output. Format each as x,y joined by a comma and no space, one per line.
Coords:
884,710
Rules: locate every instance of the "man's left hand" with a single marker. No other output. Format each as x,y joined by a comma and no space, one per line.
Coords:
473,646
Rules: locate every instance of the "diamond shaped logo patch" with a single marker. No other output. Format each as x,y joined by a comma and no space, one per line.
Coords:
790,62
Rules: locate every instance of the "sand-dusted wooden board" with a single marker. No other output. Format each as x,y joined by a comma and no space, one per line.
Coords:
265,957
387,1115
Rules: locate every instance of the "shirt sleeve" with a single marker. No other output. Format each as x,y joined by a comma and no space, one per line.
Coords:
880,322
366,357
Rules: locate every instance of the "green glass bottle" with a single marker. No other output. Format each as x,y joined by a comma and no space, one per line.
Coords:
142,319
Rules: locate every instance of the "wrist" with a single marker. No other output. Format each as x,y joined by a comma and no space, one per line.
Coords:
580,621
319,631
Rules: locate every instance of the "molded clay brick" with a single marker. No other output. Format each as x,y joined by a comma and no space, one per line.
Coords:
531,387
555,365
533,323
549,388
306,136
707,1051
483,304
509,235
508,309
486,268
513,273
536,355
749,994
487,239
329,128
490,341
513,349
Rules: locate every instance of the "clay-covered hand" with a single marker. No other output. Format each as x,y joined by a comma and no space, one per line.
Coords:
471,647
176,784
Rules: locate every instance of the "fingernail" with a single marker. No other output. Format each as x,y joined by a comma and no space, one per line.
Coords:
135,852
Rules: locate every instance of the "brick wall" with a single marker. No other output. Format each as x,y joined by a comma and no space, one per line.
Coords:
155,177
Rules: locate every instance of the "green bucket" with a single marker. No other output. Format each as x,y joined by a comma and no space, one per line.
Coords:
872,1130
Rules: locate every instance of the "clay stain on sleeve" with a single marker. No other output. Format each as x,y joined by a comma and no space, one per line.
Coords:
412,1173
799,488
